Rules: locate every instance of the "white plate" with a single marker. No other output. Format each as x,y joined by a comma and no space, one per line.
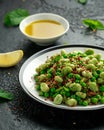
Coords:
27,72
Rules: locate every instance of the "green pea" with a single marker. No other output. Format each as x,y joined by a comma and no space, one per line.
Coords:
46,94
73,96
42,72
95,74
67,94
49,75
71,102
72,55
98,71
98,96
62,92
70,75
77,81
57,58
78,98
102,100
101,88
85,103
37,87
58,99
52,89
41,93
44,87
93,79
77,76
50,71
94,100
83,84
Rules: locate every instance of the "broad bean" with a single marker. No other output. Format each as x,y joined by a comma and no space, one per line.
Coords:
71,102
44,87
58,99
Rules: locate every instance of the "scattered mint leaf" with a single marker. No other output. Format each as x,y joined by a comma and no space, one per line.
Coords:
13,18
82,1
6,95
93,24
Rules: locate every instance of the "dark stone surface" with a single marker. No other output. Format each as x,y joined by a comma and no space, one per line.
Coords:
23,113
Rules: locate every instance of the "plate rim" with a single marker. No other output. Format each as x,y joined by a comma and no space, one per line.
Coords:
95,107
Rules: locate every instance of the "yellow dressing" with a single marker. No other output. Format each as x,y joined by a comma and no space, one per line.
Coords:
44,28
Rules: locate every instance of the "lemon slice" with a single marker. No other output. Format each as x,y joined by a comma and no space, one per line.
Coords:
10,58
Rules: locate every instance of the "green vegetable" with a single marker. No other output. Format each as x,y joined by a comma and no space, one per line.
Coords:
6,95
63,79
93,24
82,1
58,99
13,18
89,52
94,100
102,88
71,102
85,103
44,87
102,100
93,86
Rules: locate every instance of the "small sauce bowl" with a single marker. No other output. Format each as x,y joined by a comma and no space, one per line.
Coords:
44,41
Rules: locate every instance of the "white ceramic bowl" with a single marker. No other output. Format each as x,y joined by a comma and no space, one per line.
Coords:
42,16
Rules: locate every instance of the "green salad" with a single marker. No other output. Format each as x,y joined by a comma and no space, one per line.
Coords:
72,78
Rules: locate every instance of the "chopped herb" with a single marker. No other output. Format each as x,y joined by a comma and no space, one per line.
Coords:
93,24
82,1
6,95
13,18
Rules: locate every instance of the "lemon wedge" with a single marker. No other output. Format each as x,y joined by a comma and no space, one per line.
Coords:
9,59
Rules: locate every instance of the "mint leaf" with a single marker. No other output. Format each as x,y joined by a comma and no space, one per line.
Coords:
6,95
82,1
93,24
14,17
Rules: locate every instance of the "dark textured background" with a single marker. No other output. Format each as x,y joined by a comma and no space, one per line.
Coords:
23,113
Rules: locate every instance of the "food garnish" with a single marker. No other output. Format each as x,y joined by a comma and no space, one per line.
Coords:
94,25
13,18
6,95
12,58
82,1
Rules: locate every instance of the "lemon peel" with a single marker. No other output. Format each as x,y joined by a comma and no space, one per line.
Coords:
12,58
